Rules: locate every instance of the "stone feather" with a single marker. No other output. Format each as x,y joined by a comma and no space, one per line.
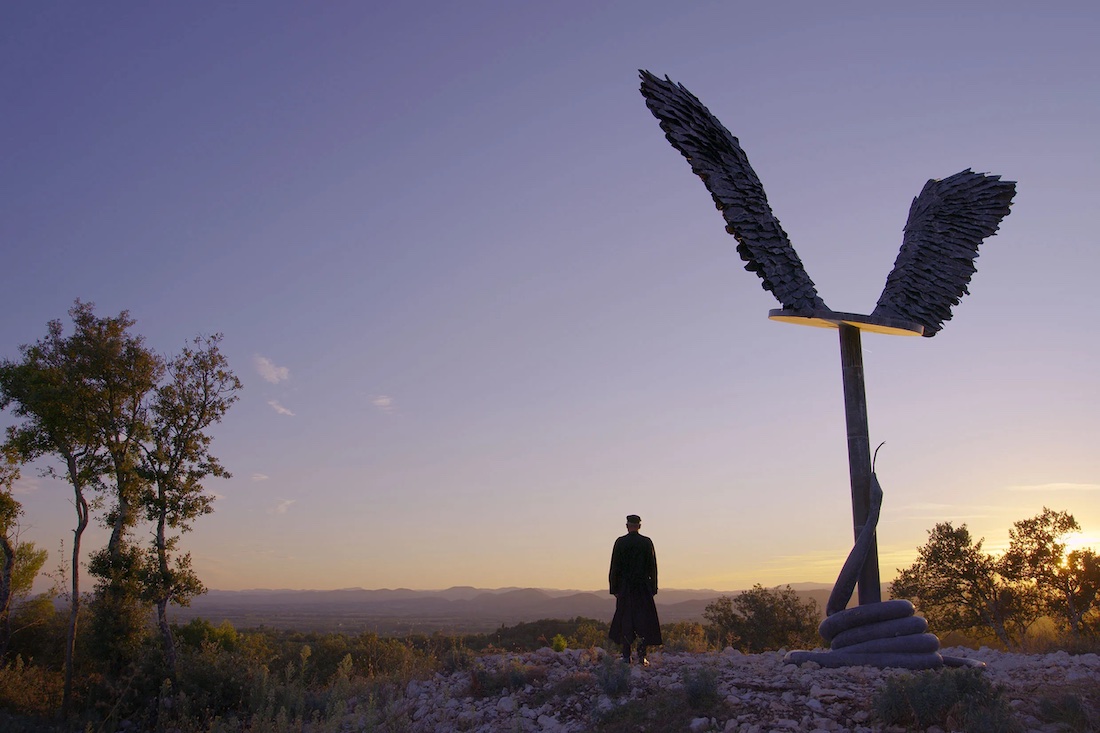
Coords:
716,157
947,222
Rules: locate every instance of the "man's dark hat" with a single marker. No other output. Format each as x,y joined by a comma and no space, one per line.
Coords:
633,519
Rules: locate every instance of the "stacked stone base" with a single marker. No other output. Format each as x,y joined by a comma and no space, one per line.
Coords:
886,634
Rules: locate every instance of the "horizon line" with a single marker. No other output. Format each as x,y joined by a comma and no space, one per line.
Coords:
817,585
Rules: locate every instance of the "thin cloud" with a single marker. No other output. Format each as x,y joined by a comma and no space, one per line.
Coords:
812,562
25,487
279,408
269,371
260,477
283,506
383,403
940,513
1055,487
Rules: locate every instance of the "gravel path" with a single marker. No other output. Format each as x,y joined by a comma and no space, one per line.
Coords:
764,694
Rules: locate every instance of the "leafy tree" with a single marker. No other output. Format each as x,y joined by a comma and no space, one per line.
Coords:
762,619
131,427
1035,548
51,390
121,372
198,392
959,587
685,636
9,513
199,631
19,561
722,621
1077,585
39,630
1036,554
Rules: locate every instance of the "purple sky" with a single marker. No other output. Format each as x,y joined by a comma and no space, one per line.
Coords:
483,310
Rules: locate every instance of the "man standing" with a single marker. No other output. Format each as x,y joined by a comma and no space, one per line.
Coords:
633,580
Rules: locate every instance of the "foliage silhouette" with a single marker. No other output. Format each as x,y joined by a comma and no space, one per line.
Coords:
958,586
763,619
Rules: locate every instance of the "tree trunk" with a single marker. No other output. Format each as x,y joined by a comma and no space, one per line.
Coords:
165,594
6,574
74,605
166,634
123,518
997,623
1073,615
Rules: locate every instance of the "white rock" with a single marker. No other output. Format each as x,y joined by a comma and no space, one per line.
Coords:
548,724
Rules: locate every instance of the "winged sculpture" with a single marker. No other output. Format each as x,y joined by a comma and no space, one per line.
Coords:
947,221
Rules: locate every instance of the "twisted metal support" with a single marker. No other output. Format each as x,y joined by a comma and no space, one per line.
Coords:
879,634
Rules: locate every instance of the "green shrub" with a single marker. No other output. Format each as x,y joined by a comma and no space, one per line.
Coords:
701,687
686,636
1069,710
958,698
571,684
199,630
613,675
558,643
507,675
456,658
1075,706
29,689
213,682
658,710
589,634
763,619
529,636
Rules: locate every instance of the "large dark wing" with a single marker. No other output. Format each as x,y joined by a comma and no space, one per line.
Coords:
718,159
947,222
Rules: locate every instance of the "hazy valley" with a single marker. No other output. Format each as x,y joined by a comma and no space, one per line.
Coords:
460,609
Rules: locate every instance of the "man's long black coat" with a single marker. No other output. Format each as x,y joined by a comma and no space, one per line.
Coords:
633,581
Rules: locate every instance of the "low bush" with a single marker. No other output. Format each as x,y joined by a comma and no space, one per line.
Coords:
668,709
686,636
509,675
30,690
962,699
701,687
1075,707
613,676
571,684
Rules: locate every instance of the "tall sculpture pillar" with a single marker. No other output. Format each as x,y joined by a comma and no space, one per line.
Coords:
859,454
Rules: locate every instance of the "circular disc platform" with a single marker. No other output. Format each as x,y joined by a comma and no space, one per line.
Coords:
833,319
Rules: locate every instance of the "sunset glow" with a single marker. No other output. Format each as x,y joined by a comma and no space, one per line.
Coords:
482,310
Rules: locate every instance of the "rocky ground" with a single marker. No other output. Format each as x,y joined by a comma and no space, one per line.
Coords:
560,692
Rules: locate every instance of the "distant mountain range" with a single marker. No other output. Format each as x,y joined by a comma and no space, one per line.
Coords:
461,609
